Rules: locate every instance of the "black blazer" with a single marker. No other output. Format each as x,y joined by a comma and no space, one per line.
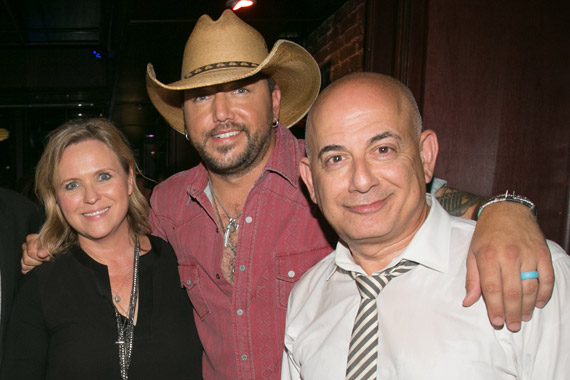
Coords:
19,216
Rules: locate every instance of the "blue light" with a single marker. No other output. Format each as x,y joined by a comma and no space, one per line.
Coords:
96,54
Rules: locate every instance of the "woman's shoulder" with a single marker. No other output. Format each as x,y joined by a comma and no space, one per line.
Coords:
160,246
59,263
49,276
161,253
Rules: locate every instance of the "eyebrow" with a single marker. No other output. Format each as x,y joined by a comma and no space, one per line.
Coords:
383,136
372,140
329,148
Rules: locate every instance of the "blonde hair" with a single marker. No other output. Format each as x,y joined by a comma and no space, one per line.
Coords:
56,235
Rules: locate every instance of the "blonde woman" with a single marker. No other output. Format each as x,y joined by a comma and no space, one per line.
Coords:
110,304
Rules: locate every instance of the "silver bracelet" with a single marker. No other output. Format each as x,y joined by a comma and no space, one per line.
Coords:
511,198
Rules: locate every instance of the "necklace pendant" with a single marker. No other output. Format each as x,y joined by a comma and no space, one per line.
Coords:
227,236
233,224
117,299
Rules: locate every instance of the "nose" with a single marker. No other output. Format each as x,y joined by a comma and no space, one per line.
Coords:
222,107
363,178
91,195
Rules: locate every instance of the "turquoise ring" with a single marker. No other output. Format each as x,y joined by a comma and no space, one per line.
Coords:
529,275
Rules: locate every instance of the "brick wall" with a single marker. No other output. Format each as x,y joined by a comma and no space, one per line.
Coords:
338,44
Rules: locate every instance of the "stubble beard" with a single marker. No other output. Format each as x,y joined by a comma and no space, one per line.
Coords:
237,164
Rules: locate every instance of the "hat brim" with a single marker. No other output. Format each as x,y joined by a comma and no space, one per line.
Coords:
292,68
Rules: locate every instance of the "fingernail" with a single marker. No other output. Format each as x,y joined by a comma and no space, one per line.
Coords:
540,304
514,326
498,321
526,317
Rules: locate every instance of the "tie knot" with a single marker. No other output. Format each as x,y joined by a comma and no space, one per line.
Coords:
370,286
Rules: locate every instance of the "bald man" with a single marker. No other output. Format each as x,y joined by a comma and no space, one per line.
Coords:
367,168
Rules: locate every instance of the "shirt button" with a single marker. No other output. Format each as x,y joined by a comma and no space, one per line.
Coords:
242,268
244,357
188,282
248,219
291,273
239,312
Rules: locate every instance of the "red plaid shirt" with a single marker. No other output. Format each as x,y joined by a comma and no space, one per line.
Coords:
241,326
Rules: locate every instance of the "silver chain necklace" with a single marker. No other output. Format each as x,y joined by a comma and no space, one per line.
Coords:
125,325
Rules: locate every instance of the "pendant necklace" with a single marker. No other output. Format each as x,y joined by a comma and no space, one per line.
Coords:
125,325
231,227
116,297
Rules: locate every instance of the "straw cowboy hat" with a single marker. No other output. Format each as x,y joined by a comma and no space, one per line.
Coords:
228,50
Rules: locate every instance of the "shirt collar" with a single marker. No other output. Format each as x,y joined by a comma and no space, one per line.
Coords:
284,159
197,181
424,248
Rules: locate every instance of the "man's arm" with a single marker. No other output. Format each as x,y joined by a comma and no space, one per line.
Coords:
507,241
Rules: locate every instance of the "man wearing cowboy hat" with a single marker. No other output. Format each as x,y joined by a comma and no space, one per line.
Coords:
242,227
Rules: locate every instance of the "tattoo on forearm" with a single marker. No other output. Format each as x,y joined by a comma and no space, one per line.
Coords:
457,202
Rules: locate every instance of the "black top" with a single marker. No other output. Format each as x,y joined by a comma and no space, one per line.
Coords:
19,216
63,323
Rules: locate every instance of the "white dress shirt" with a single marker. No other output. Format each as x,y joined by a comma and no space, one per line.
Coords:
425,332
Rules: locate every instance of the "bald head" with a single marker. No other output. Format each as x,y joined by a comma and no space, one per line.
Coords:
368,164
358,86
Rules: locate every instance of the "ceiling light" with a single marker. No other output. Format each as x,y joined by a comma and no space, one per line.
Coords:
237,4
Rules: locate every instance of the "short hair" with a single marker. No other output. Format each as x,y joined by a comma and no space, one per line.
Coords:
56,235
271,85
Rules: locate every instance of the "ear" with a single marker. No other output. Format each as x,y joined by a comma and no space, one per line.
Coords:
130,179
276,101
307,177
429,148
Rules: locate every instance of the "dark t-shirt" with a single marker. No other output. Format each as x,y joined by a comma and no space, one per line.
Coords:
63,323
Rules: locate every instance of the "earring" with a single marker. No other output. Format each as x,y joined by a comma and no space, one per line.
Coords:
186,134
275,122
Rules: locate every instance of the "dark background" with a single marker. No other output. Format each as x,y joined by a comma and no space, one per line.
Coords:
491,77
63,59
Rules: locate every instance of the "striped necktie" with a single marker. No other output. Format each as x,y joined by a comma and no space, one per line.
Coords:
363,350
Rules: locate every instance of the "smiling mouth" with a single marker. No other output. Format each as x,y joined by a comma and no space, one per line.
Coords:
95,213
367,208
226,135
